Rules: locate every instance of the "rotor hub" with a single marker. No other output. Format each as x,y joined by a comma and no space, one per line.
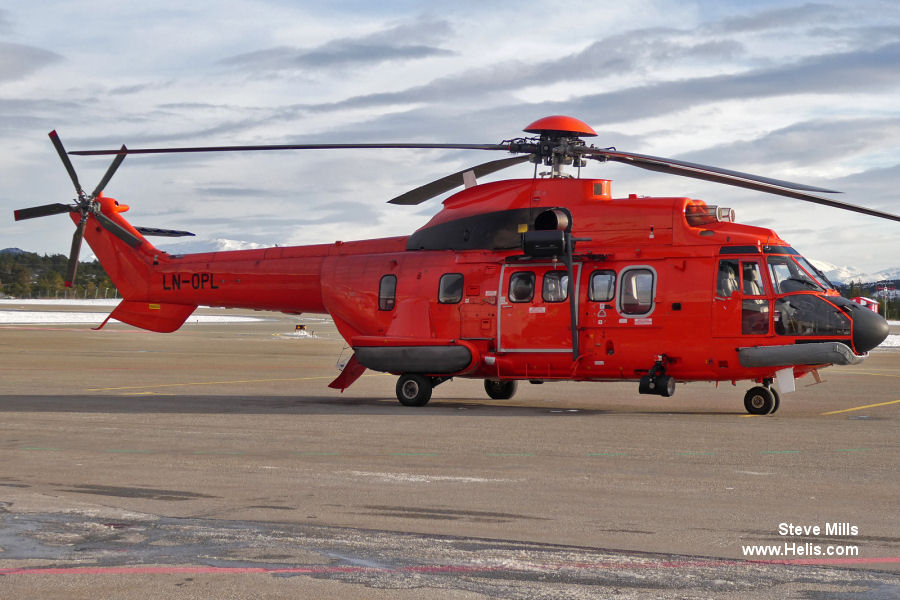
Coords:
559,137
559,126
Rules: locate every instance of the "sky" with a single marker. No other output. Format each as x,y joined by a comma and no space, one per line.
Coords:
803,91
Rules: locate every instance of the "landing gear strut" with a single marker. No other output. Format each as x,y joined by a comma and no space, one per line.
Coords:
656,381
761,400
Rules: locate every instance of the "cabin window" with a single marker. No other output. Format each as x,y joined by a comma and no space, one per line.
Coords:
521,286
387,292
603,286
556,286
636,291
450,290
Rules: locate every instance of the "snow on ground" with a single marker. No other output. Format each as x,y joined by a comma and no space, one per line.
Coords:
28,317
59,302
16,316
892,341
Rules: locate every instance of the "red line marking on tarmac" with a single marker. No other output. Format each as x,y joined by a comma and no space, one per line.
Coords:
173,570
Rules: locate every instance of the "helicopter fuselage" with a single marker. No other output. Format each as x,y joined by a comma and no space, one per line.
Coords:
662,287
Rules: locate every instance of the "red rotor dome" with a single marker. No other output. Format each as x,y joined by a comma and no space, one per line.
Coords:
561,124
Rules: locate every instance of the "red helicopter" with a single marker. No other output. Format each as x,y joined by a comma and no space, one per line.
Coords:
541,279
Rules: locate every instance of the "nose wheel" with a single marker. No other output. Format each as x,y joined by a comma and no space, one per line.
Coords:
761,400
500,389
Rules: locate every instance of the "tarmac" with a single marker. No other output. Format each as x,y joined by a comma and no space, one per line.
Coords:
215,462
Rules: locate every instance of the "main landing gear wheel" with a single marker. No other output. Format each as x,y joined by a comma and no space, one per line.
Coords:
761,400
500,390
414,390
777,400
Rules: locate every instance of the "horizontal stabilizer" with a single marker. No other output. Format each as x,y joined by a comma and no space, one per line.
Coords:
161,317
162,232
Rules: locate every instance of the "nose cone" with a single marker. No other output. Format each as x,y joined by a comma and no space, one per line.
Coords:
869,330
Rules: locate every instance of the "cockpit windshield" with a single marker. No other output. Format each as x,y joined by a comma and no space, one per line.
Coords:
787,276
813,272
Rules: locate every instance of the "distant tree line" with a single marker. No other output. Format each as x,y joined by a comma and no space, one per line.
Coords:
868,290
30,275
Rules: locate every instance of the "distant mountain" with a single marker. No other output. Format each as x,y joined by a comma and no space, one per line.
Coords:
213,245
837,274
195,246
15,251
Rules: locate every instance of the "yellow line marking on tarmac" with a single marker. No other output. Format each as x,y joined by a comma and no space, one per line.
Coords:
871,373
168,385
837,412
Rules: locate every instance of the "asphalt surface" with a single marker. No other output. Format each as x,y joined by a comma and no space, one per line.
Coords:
215,462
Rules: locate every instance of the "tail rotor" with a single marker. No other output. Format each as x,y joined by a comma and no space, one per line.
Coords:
84,204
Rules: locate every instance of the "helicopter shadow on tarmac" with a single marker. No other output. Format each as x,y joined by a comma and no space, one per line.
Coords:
314,405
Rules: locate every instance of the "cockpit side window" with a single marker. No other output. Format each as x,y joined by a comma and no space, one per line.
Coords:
727,280
752,280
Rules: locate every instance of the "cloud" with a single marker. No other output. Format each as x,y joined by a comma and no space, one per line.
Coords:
18,61
834,73
779,18
809,142
393,44
622,54
5,24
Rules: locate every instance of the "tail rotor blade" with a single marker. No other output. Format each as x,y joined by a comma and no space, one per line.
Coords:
44,210
57,143
110,172
72,267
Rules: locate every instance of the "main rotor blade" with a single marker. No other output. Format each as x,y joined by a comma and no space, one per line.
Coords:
44,210
57,143
760,184
72,267
117,230
110,172
290,147
444,184
688,169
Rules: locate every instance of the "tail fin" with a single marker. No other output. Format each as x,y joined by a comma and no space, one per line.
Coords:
129,261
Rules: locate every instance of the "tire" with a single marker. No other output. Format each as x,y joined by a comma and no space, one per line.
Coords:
665,385
500,390
414,390
759,400
777,402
